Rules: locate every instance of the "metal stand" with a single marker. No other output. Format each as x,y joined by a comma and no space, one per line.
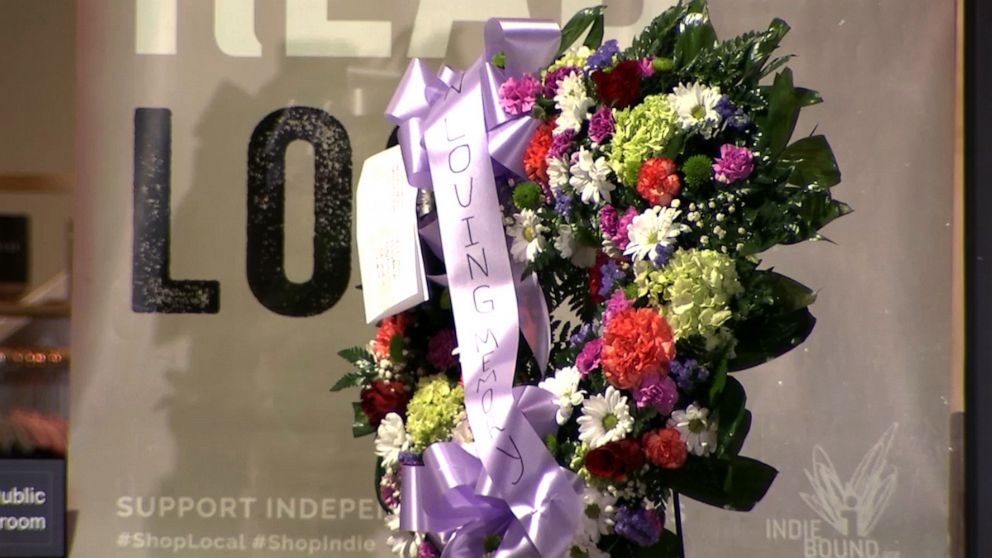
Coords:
678,523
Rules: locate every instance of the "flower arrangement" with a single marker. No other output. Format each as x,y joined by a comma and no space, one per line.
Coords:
655,178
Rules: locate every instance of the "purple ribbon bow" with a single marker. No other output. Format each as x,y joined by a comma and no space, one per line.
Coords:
451,496
457,140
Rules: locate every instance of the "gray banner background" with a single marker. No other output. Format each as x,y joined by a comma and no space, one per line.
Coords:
236,404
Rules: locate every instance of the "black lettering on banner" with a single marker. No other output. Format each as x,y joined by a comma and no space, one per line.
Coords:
514,455
266,211
152,288
483,266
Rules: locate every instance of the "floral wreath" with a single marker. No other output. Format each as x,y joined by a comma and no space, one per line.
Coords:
656,177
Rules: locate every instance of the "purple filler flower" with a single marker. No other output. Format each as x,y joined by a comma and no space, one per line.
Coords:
601,125
659,392
611,273
439,349
588,359
563,203
518,96
560,143
604,54
640,526
735,163
732,114
688,374
659,256
580,336
617,303
554,77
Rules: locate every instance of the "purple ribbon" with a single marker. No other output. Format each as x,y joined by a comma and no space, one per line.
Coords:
451,497
457,140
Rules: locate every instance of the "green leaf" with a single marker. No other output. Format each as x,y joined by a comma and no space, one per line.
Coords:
812,163
808,97
730,412
693,40
396,347
816,210
779,120
658,38
735,439
787,294
351,379
764,338
355,354
581,21
718,377
737,484
594,39
763,47
360,426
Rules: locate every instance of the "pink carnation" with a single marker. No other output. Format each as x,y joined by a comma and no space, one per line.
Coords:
620,239
588,359
735,163
518,96
657,391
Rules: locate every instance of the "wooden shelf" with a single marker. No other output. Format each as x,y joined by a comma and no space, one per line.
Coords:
45,310
36,183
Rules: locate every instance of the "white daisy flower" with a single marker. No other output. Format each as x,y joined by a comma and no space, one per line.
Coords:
557,174
695,427
598,512
590,178
579,254
656,226
565,386
403,543
391,439
573,101
605,418
695,106
527,233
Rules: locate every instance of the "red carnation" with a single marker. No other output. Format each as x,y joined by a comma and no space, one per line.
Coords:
657,182
665,448
621,85
595,279
381,398
615,460
536,155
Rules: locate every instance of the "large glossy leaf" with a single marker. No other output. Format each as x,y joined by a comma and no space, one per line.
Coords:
694,39
766,337
779,120
812,163
360,426
730,410
738,483
578,24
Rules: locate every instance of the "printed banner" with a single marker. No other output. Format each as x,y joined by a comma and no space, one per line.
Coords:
215,275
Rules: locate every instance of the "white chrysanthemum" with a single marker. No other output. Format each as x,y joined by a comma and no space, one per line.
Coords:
462,432
391,439
557,174
573,102
527,233
695,106
565,386
605,418
403,543
597,513
695,427
590,178
656,226
579,254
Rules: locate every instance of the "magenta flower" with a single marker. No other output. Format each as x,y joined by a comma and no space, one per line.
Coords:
518,96
647,66
560,143
588,359
620,239
617,303
601,124
735,163
608,220
439,349
427,550
659,392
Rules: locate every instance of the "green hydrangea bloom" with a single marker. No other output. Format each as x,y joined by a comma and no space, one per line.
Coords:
694,291
434,410
641,131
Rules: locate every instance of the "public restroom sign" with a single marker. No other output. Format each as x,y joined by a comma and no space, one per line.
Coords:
32,507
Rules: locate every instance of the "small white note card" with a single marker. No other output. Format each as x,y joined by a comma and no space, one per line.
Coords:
392,265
